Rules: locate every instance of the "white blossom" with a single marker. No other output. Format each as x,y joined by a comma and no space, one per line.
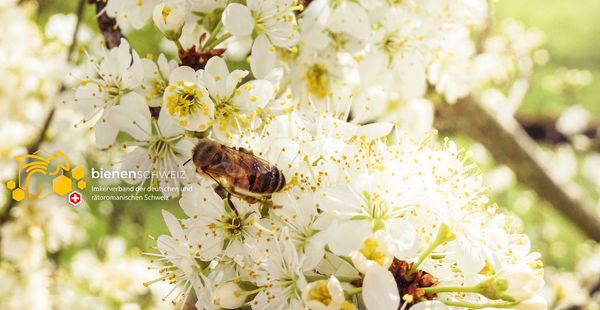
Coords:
160,148
135,13
119,72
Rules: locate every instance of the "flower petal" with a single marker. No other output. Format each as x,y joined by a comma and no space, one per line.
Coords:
105,133
253,95
238,20
134,161
131,116
430,305
380,290
173,225
215,76
374,130
168,127
233,80
183,73
263,57
347,236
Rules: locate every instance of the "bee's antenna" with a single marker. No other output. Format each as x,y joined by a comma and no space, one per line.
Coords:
187,161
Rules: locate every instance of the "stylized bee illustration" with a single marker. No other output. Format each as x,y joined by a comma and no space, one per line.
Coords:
32,164
238,171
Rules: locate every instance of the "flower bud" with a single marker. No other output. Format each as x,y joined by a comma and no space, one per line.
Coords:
169,19
522,282
516,283
228,296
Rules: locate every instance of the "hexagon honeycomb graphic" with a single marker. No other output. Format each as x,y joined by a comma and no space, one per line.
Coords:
81,184
11,185
77,173
18,194
62,185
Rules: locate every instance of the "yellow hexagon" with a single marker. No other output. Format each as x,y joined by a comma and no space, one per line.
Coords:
81,184
62,185
11,184
18,194
77,172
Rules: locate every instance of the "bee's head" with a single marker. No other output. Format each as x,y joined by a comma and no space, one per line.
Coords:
203,152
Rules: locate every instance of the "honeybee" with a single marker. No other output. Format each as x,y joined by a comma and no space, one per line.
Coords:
237,171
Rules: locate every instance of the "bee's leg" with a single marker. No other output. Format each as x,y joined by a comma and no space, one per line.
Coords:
232,206
248,199
221,191
264,200
268,203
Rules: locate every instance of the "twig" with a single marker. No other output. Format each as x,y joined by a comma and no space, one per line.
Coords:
510,145
5,215
108,26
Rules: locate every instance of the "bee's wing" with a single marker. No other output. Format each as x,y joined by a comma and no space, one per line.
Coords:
238,164
254,164
230,164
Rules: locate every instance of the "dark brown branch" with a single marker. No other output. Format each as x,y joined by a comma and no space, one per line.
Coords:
197,58
541,129
510,145
595,288
108,26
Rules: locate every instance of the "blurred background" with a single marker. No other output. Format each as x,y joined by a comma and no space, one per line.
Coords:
560,112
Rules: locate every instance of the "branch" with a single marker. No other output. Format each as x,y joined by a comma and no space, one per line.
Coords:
510,145
107,25
595,288
35,145
541,129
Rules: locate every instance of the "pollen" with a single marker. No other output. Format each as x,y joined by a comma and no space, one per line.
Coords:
317,80
320,293
371,252
185,101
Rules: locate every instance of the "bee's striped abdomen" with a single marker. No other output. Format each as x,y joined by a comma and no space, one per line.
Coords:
270,182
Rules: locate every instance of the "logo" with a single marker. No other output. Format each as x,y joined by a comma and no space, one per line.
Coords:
40,167
75,198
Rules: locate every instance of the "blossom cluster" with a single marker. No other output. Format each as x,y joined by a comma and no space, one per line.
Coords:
396,224
373,215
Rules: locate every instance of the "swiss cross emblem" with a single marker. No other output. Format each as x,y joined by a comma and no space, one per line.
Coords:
75,198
